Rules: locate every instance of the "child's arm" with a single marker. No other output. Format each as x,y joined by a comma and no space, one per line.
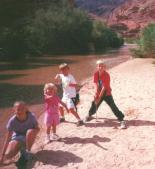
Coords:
47,96
36,125
96,91
79,86
6,142
57,79
64,105
99,93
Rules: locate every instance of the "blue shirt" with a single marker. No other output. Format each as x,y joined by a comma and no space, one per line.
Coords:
21,127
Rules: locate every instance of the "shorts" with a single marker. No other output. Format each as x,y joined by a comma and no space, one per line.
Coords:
51,119
21,138
69,103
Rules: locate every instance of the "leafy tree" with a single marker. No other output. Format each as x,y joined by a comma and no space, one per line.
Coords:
146,42
15,15
103,37
59,30
49,27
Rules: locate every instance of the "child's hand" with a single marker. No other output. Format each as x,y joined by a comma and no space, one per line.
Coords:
1,160
96,97
67,110
57,79
97,100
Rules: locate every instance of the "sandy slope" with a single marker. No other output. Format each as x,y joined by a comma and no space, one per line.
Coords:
100,144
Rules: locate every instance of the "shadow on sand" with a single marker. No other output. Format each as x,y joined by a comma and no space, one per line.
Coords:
55,158
105,122
46,157
92,140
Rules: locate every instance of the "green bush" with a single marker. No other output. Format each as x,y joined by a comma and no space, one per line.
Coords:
50,27
15,15
146,42
59,30
12,43
103,37
13,18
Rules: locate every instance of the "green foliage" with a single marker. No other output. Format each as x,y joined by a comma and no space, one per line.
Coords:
12,43
50,27
15,15
13,18
59,30
103,37
131,40
147,42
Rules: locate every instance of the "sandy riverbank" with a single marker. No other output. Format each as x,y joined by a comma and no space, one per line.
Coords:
25,82
100,144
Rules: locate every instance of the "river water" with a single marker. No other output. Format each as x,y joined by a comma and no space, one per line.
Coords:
83,67
25,81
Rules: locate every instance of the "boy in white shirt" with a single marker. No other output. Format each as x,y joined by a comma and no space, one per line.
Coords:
69,91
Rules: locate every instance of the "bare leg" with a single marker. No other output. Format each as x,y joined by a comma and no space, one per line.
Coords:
74,113
48,129
54,128
13,148
30,137
55,137
61,111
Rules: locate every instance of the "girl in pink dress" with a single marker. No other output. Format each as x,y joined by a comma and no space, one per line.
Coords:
52,111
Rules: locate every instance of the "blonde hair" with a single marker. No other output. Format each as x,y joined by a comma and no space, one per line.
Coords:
63,65
50,86
100,62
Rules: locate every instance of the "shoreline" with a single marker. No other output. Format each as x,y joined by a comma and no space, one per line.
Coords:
38,109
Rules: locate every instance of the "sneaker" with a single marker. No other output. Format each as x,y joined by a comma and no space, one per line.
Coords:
55,137
88,118
80,123
27,155
22,161
47,140
122,125
62,119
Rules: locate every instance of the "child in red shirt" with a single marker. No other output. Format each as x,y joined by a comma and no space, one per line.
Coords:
103,92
